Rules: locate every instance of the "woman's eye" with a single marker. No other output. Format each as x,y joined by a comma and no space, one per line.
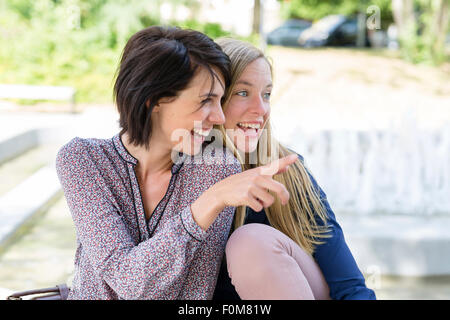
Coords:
267,95
242,93
205,101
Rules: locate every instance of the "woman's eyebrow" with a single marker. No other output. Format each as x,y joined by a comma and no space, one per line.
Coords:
244,82
251,85
209,94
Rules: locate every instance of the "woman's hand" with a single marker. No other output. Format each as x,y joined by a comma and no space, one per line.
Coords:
249,188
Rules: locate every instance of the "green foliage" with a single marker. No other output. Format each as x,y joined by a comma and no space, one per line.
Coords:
74,42
385,11
213,30
419,41
317,9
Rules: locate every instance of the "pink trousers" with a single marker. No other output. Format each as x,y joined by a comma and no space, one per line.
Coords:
264,263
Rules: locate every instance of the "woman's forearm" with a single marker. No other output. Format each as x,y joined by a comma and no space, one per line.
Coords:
250,188
206,208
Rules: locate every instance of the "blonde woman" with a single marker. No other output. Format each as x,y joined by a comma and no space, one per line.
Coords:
293,251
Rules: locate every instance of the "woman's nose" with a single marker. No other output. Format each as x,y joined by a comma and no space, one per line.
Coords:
216,116
258,106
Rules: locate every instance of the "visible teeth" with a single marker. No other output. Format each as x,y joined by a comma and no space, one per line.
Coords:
249,125
201,132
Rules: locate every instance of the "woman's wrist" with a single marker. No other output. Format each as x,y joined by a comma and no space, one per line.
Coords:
207,207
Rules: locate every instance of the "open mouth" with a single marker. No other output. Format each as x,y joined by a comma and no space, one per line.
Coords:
200,134
250,129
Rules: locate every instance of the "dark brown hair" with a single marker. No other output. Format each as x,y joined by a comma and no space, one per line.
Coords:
159,62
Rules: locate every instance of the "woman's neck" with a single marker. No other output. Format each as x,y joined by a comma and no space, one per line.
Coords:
154,160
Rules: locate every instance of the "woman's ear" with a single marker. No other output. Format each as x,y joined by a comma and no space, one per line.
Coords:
155,107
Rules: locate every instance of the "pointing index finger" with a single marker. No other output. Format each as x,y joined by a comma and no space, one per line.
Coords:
278,166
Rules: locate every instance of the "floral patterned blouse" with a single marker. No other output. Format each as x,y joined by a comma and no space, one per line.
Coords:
121,255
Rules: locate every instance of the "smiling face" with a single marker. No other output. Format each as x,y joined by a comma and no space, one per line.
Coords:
182,123
248,108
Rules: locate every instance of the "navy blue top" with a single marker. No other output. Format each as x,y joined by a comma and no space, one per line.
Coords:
334,258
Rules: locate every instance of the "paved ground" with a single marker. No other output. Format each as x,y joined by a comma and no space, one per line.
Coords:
339,88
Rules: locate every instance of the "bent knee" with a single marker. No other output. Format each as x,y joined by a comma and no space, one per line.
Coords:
246,237
251,242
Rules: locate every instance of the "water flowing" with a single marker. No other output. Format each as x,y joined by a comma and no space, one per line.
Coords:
400,170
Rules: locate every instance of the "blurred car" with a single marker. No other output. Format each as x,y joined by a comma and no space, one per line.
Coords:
287,34
333,30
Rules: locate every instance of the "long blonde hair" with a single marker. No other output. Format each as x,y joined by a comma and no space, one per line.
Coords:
297,219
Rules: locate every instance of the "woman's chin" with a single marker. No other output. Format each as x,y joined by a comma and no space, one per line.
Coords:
244,141
190,144
249,146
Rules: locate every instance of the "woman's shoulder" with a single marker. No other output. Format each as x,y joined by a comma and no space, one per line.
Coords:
81,146
322,195
300,157
215,160
302,160
79,150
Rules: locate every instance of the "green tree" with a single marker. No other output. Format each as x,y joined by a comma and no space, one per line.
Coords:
317,9
422,24
76,42
422,27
